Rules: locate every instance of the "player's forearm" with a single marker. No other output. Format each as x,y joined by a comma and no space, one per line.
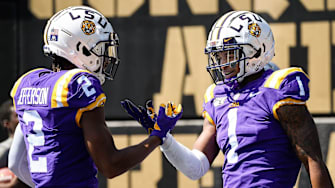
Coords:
122,160
316,168
319,174
192,163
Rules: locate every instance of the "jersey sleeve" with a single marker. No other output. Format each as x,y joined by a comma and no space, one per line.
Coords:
208,109
78,89
290,87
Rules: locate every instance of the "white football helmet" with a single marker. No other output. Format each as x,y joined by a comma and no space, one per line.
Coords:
248,36
83,36
271,66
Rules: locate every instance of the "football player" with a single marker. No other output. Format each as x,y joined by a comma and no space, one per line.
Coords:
256,116
61,111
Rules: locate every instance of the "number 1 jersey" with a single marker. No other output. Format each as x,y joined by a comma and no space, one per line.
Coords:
257,150
49,106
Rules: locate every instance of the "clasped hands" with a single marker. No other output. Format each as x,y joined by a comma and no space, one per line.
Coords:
155,125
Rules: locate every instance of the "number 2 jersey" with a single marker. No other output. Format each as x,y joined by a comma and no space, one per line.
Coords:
49,106
257,151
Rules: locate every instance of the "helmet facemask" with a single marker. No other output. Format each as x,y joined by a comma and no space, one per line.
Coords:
107,51
235,56
216,63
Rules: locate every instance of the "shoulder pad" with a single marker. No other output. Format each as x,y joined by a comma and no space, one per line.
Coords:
209,94
61,90
276,78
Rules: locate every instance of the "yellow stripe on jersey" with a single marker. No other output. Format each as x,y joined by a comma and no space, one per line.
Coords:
277,77
209,94
60,91
287,101
99,102
208,117
17,83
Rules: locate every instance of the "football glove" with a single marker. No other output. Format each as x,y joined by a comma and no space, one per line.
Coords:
167,118
145,116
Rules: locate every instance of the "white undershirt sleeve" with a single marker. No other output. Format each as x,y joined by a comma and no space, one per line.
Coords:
17,158
193,163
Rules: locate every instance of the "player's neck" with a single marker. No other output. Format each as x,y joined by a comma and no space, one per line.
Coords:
61,63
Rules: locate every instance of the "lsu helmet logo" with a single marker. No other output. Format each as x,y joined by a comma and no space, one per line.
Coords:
88,27
254,29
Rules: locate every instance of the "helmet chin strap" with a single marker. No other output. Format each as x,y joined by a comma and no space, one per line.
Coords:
100,73
241,73
101,79
233,84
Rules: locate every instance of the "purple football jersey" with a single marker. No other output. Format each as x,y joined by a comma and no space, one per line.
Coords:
257,151
49,106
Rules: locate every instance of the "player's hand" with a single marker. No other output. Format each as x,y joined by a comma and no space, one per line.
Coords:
167,118
145,116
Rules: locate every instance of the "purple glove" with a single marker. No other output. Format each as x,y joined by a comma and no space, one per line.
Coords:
166,120
145,116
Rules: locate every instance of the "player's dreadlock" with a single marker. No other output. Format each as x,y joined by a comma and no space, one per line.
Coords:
60,63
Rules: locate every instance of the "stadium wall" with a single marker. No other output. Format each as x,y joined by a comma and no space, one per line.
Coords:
162,46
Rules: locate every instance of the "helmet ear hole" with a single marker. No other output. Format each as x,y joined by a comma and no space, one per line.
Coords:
86,51
258,53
